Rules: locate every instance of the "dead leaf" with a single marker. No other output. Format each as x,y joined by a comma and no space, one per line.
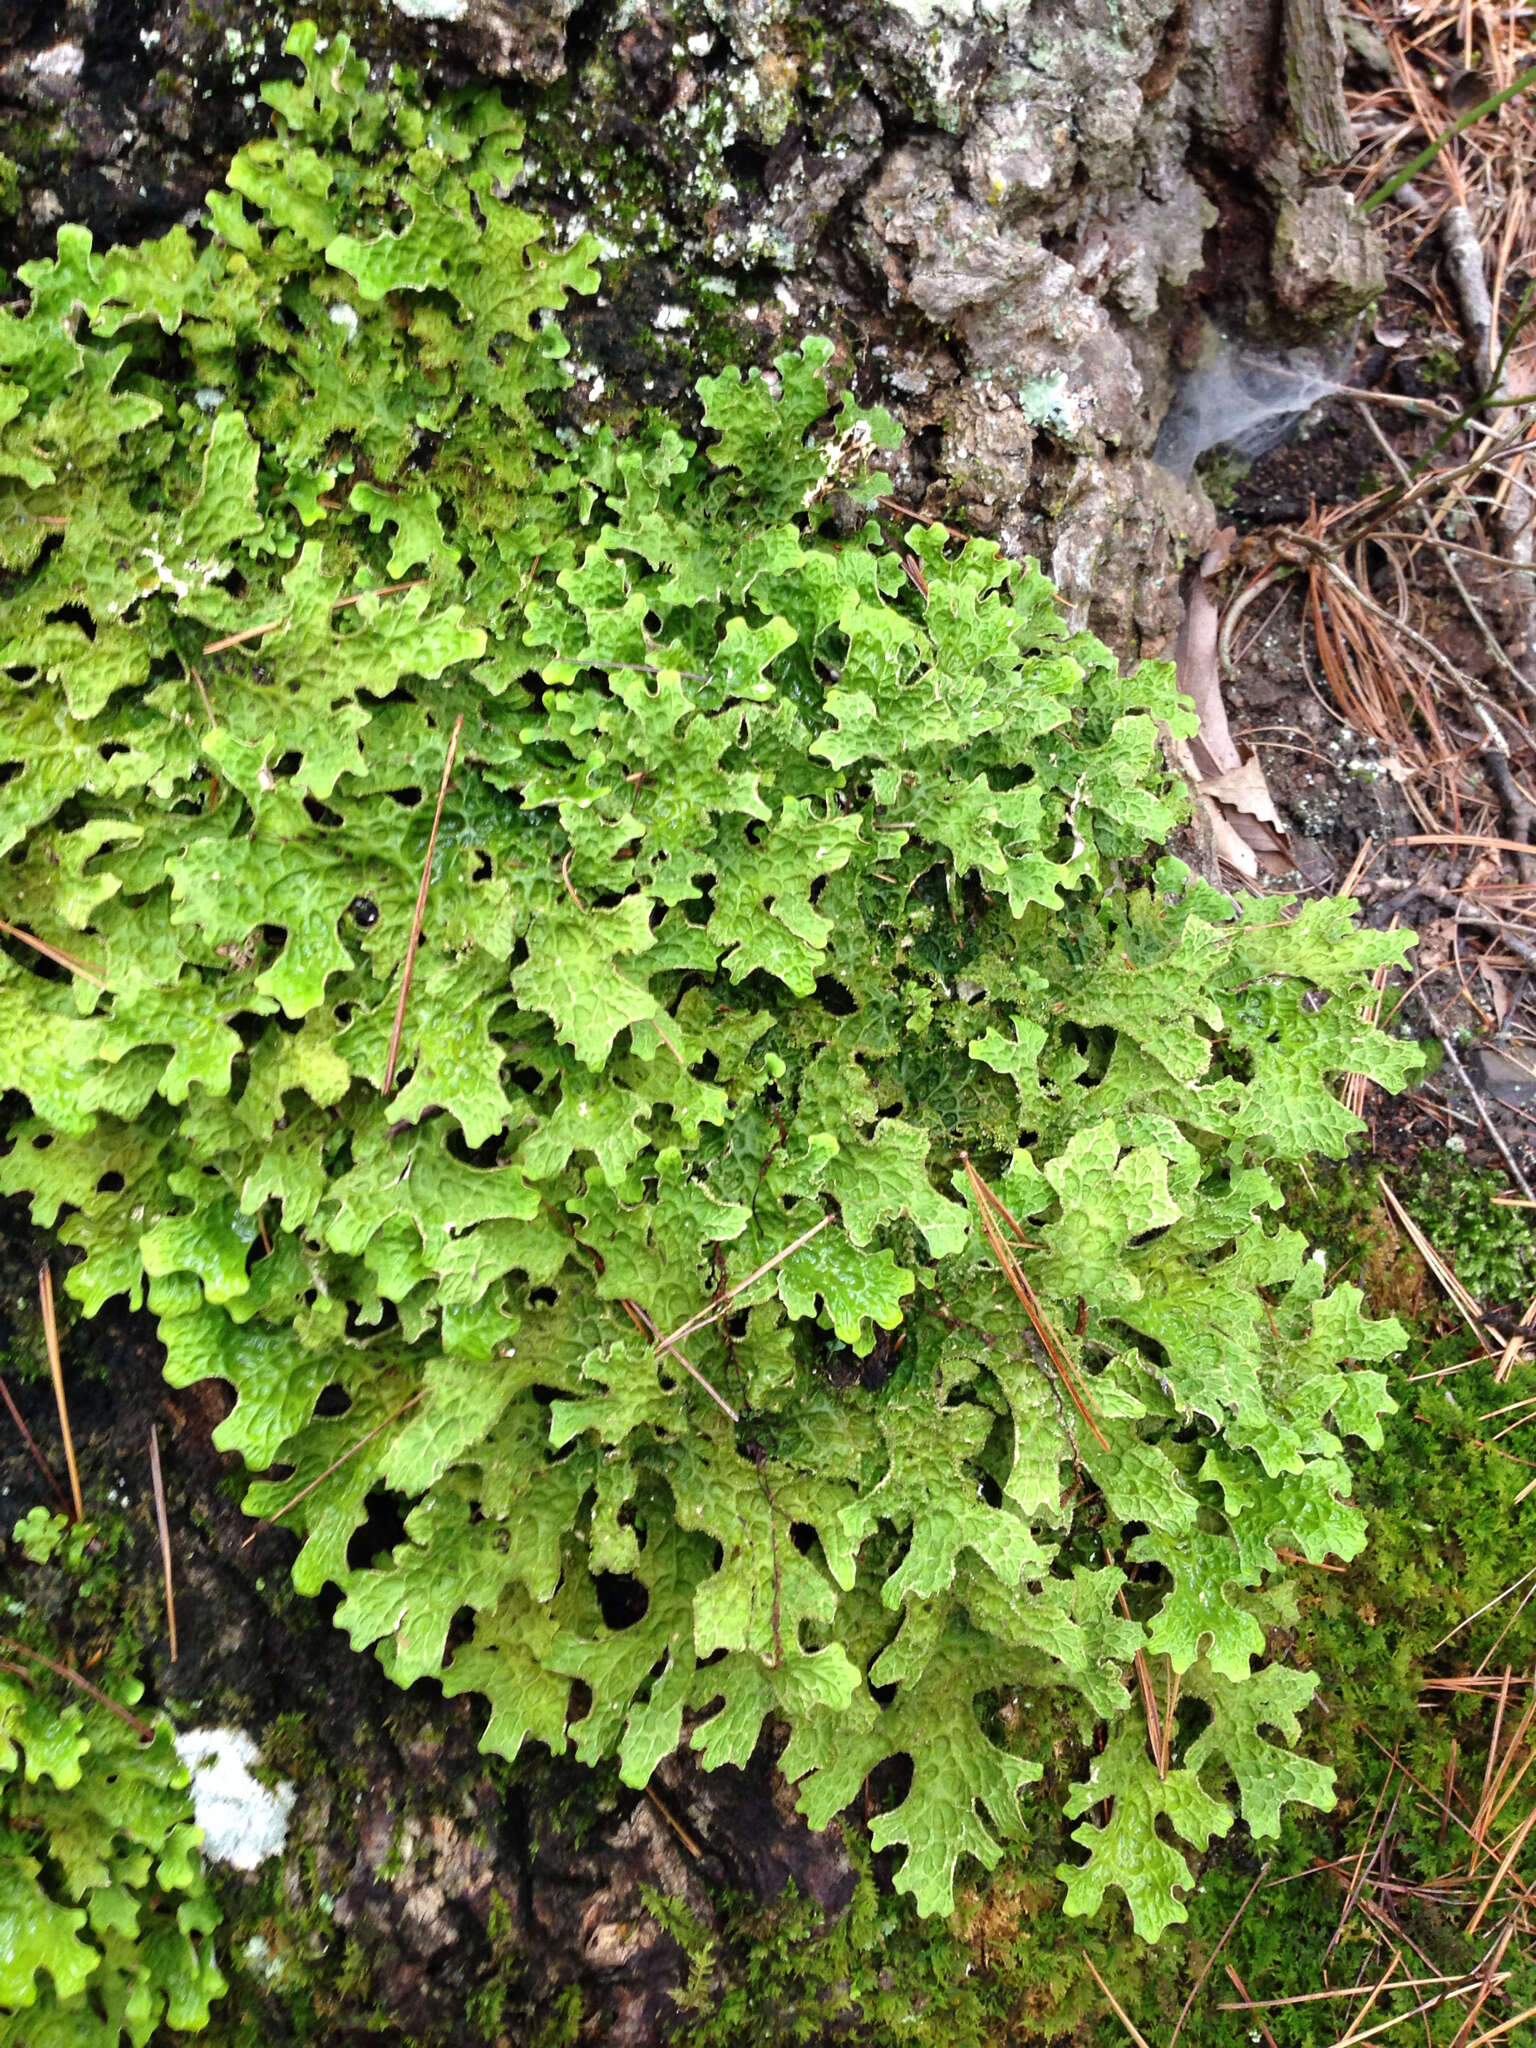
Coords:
1437,941
1243,788
1499,991
1247,829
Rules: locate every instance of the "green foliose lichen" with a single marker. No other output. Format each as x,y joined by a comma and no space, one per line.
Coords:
106,1918
648,1020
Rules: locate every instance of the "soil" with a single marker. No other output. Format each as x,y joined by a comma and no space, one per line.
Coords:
1345,792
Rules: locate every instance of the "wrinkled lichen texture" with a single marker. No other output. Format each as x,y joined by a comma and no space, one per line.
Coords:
1012,213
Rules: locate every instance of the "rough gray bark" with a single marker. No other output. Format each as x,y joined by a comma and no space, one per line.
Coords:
1314,72
1016,213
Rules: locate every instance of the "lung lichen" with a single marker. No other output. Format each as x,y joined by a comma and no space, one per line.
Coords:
546,943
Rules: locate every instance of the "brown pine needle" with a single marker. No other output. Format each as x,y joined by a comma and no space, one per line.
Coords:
1242,1991
1504,2027
1120,2012
721,1305
1148,1693
1514,1350
1467,1622
54,953
1385,2026
1471,1313
37,1457
55,1366
1357,1876
986,1204
694,1847
239,639
1231,1929
72,1677
202,691
1506,1864
1352,2032
1165,1746
272,625
420,912
384,590
334,1466
1352,1991
647,1328
162,1522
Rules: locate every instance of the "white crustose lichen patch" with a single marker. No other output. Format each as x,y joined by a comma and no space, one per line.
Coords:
243,1821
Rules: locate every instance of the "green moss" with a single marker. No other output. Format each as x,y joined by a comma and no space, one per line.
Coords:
1223,473
1491,1248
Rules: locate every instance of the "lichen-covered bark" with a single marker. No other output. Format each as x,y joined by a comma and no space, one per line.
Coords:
1014,213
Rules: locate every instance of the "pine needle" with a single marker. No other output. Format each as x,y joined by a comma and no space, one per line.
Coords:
72,1677
334,1466
721,1304
987,1205
1504,2027
1242,1991
1231,1929
55,1366
1121,2014
669,1345
420,912
31,1443
54,953
162,1522
1469,1307
272,625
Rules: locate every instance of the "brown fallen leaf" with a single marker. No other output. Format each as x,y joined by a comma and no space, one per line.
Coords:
1246,829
